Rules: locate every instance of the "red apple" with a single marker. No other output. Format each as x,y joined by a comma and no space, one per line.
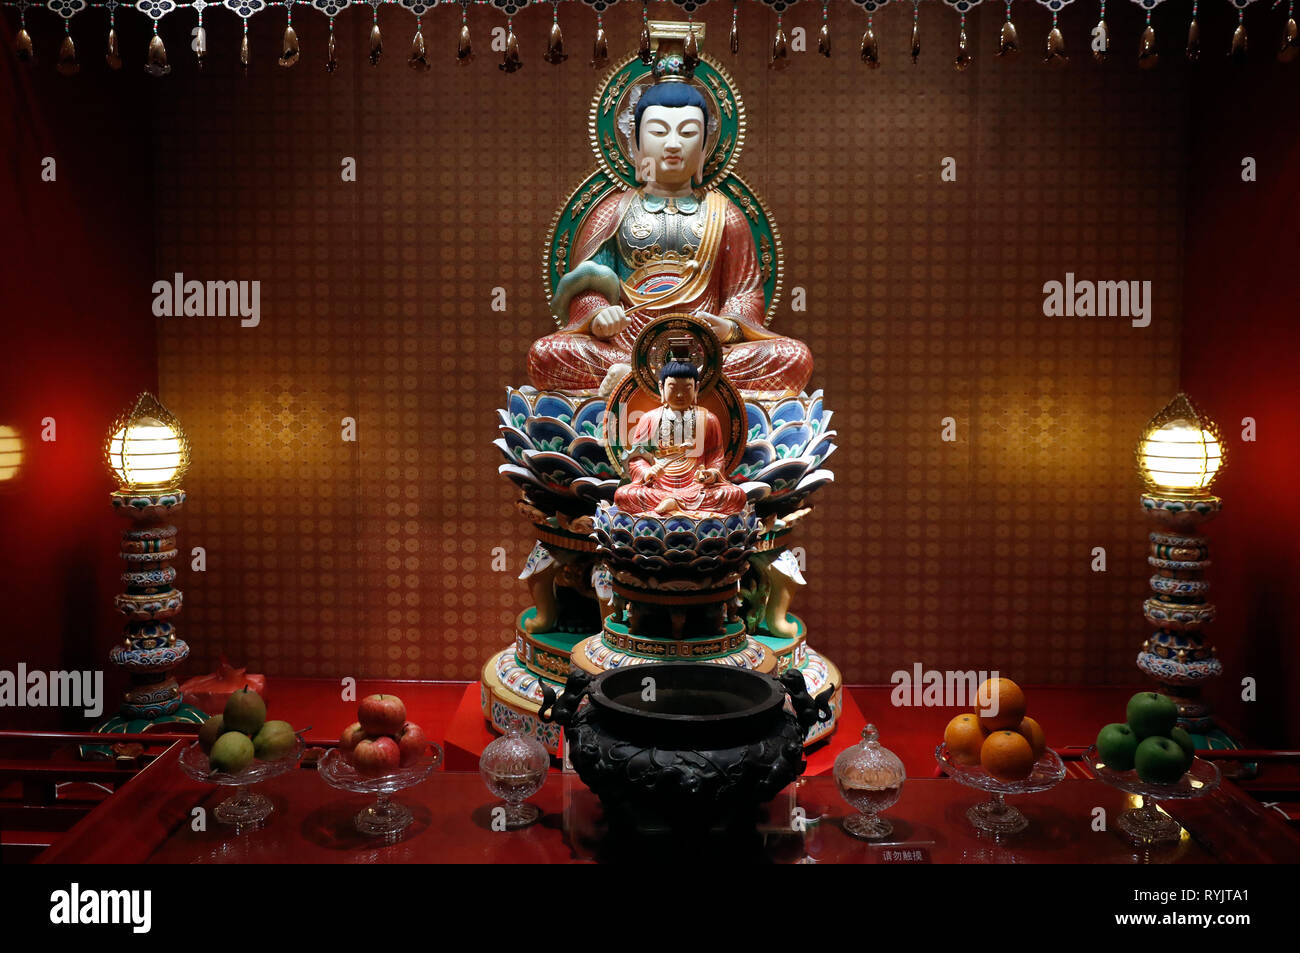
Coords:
375,757
351,735
381,714
412,742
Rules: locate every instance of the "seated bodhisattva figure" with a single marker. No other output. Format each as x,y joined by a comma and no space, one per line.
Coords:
678,461
667,246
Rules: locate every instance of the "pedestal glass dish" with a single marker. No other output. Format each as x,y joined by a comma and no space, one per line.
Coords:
996,816
514,768
870,777
385,817
244,807
1147,824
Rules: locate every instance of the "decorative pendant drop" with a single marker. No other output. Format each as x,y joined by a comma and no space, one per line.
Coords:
1100,42
1148,56
511,61
964,55
200,47
1193,52
1056,48
156,65
871,49
735,38
691,51
331,61
600,49
113,55
289,55
243,53
824,40
1290,47
780,50
418,58
376,45
67,63
916,42
555,54
1008,42
23,46
464,48
643,49
1238,52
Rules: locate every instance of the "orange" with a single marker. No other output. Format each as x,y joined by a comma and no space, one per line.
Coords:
1034,734
1009,700
1007,756
964,738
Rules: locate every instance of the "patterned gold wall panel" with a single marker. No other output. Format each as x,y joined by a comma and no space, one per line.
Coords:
924,297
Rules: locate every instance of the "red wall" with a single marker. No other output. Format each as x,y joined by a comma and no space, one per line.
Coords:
1241,340
78,344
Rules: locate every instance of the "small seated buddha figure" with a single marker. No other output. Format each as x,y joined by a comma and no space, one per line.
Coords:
678,462
671,245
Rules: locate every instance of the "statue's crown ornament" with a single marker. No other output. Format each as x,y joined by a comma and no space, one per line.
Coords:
677,50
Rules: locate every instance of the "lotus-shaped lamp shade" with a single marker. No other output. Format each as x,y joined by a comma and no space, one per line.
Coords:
785,452
1180,452
675,544
556,444
146,447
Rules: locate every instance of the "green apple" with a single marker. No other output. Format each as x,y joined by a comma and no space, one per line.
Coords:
1182,738
1116,746
210,732
245,711
1149,714
1159,760
233,752
274,741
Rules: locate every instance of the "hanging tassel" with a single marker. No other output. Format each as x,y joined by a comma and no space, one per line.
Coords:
1148,57
1290,47
156,65
464,48
1100,50
376,44
243,52
964,55
1238,51
113,55
555,54
200,47
511,61
1193,51
67,62
23,46
780,49
600,49
1008,42
871,49
916,41
418,59
824,40
691,49
289,55
1055,48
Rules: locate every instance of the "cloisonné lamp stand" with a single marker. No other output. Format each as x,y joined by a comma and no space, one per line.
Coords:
148,453
1179,457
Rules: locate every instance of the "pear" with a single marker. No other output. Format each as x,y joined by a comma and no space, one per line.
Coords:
210,732
274,741
245,711
231,753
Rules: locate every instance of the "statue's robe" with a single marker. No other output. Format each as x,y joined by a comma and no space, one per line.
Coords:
618,251
677,479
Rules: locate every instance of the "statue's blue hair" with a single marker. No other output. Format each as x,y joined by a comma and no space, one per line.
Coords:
671,94
678,369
